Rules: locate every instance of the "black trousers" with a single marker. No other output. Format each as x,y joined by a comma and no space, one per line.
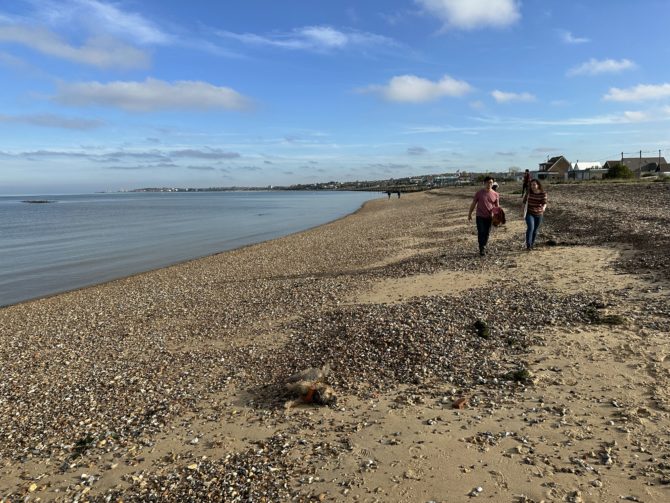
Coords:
483,231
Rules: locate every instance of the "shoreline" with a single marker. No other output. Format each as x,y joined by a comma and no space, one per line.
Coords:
179,262
178,374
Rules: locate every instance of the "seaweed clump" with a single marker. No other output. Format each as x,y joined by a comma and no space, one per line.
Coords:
483,329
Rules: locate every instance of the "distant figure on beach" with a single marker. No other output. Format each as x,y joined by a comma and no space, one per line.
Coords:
536,199
526,181
485,200
398,194
388,193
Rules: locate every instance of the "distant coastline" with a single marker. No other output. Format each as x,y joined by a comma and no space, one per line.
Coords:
312,187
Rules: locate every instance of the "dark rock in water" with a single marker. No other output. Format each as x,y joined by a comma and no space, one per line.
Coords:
38,201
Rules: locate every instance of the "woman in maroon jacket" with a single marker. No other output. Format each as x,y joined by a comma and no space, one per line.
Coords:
485,201
537,203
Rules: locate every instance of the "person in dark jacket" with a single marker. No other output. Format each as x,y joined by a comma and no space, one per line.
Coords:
526,183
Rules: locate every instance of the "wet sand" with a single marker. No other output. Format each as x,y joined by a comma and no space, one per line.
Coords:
169,385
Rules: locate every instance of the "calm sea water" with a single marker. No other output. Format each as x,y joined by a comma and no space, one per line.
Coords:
81,240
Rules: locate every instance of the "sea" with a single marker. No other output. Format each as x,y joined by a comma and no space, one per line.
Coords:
75,241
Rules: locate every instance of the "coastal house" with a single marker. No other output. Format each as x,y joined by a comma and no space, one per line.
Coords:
555,168
586,170
663,171
640,166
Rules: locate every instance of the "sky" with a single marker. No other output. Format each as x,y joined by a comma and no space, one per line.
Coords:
101,95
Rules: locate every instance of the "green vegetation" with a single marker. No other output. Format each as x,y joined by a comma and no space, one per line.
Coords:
482,329
596,317
480,177
619,171
522,375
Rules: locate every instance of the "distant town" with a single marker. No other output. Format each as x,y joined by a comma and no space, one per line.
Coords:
554,169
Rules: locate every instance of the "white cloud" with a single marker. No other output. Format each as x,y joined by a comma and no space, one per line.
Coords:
212,154
99,51
14,62
312,38
627,117
596,67
52,121
417,151
640,92
413,89
325,36
152,94
395,18
101,17
637,116
503,97
569,38
201,168
472,14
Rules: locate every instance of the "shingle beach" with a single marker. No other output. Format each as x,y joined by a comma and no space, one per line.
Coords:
170,385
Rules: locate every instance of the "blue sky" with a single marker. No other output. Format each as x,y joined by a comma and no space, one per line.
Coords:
102,95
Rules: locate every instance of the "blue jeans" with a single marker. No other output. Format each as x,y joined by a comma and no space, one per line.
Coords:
483,231
533,223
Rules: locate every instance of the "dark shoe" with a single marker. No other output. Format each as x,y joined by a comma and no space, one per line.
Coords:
482,252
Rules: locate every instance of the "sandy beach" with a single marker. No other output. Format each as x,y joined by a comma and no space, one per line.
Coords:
170,385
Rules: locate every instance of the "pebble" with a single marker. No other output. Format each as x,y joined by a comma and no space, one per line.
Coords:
132,355
476,491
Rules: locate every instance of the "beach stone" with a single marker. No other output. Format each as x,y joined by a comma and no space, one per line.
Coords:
411,474
460,403
153,358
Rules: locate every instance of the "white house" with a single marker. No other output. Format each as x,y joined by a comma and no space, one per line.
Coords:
582,165
586,170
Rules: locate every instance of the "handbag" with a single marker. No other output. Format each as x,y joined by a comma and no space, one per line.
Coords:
498,216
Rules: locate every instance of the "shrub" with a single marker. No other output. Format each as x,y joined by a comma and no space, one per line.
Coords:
521,375
619,171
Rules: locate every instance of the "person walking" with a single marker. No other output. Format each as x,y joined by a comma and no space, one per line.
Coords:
485,200
526,183
536,201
